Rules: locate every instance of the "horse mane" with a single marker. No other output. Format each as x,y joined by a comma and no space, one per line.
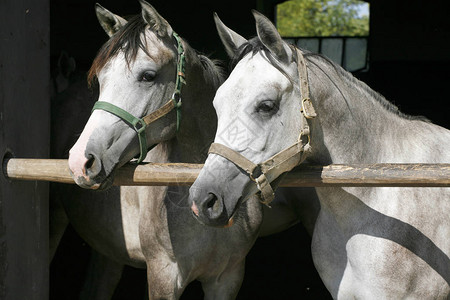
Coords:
255,45
214,69
386,104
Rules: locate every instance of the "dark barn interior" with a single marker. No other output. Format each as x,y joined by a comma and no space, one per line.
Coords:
409,57
408,42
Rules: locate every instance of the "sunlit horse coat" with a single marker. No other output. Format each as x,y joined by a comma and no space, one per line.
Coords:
368,243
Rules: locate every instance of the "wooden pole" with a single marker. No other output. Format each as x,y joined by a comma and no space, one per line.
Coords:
389,175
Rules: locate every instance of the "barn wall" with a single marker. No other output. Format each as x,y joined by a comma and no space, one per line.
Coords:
75,28
410,30
24,132
410,55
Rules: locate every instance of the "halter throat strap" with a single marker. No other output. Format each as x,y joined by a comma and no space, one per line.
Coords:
264,173
140,124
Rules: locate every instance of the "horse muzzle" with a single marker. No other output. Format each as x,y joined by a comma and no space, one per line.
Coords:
209,208
87,172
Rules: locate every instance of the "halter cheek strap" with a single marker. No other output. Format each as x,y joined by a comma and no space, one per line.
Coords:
264,173
140,124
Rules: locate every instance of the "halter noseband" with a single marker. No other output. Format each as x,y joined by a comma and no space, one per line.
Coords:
140,124
264,173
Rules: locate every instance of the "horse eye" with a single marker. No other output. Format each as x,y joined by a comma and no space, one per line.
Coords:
147,76
266,106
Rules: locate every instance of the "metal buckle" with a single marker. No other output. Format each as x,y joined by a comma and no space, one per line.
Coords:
308,109
139,126
256,173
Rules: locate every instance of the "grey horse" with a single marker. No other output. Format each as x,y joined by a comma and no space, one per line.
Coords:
153,227
368,243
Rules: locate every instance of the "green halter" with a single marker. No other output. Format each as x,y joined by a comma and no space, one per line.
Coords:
140,124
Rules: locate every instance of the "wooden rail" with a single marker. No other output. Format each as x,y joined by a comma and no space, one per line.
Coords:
398,175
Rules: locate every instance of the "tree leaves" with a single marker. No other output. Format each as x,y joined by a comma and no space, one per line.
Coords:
321,18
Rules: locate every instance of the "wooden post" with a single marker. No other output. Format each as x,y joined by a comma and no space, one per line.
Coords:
399,175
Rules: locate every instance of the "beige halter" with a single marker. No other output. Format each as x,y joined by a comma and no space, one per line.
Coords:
264,173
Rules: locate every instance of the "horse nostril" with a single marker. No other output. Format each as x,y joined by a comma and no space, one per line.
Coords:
212,200
93,166
213,210
89,162
213,206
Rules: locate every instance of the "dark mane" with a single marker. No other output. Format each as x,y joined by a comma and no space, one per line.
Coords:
214,70
255,45
127,39
389,106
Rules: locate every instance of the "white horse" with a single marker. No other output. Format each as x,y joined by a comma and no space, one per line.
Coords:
368,243
138,70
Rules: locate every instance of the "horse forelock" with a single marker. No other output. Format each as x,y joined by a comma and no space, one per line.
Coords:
254,46
129,39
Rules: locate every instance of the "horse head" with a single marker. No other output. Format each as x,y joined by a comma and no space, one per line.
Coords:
137,75
259,115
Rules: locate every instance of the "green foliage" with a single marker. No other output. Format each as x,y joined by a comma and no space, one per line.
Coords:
321,18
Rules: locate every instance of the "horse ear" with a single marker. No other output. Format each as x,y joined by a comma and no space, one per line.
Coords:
154,19
110,22
270,37
230,39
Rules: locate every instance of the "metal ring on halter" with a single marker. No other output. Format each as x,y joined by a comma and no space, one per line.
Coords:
176,96
305,132
139,126
256,169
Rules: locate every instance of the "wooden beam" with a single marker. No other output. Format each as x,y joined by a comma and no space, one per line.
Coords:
389,175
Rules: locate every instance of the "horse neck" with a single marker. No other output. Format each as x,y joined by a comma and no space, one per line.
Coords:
352,125
198,119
